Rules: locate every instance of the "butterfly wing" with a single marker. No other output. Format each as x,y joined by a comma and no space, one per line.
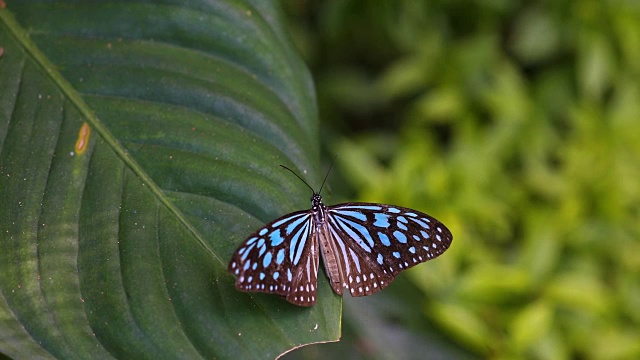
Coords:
280,258
375,242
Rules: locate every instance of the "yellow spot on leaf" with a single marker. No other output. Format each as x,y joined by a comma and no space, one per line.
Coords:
83,138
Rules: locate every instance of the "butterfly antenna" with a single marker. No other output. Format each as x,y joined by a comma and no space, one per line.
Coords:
328,171
301,179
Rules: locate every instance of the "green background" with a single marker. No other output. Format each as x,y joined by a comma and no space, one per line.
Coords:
517,124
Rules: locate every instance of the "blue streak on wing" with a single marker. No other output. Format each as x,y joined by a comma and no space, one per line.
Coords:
280,256
294,224
382,220
384,239
400,236
342,223
341,244
266,260
421,223
355,260
288,218
246,253
298,242
363,207
356,214
276,237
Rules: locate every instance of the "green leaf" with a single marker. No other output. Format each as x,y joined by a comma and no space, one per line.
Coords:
139,145
531,325
462,321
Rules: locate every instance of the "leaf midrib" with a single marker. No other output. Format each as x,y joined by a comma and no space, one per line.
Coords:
71,95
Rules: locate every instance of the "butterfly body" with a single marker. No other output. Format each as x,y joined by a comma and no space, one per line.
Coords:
363,245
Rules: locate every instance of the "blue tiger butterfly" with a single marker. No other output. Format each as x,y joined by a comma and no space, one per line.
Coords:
364,247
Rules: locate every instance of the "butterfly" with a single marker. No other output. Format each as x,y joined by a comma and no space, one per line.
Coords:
364,247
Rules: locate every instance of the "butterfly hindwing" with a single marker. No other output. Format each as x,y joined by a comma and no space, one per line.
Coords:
375,242
352,268
280,258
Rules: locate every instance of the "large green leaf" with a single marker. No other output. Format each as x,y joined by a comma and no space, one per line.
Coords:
139,145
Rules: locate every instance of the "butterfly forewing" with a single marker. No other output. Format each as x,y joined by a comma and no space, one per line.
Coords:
376,242
280,258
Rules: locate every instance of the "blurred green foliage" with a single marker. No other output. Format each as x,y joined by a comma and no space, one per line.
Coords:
517,124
